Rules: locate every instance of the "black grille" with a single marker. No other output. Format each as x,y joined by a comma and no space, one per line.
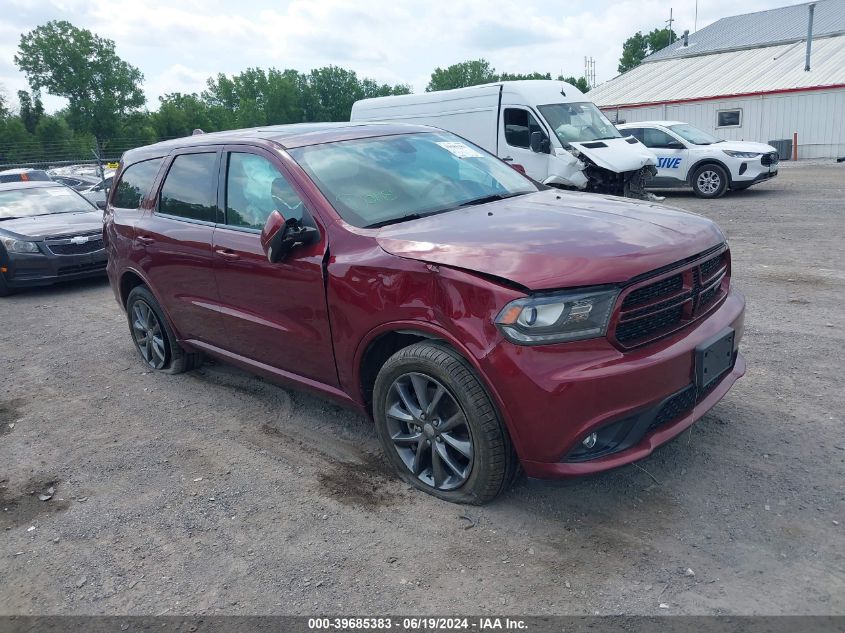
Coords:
655,290
711,266
69,248
707,296
642,328
771,158
676,406
664,306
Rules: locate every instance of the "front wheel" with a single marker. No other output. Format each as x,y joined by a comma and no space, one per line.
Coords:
709,181
438,426
153,337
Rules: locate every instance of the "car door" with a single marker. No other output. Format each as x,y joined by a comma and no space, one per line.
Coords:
272,313
517,124
672,156
176,235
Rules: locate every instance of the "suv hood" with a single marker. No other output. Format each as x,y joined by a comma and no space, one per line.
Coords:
743,146
555,239
617,154
55,224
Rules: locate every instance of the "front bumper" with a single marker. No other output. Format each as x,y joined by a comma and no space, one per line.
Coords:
24,270
752,173
553,396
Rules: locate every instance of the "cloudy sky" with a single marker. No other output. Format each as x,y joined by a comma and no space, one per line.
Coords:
178,45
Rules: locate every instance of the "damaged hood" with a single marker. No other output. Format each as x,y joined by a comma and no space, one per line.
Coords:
617,154
554,239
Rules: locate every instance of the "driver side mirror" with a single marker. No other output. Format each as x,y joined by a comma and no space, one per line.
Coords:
539,143
674,145
279,236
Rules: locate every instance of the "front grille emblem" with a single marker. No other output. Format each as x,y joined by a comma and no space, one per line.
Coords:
79,239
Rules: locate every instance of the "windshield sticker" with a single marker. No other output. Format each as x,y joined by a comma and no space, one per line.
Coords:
459,149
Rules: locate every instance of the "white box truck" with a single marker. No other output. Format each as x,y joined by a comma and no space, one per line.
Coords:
548,129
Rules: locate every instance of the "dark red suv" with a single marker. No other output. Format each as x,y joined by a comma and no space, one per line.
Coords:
483,320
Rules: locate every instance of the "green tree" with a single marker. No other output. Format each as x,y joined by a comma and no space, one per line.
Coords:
469,73
634,50
639,46
84,68
580,82
4,108
659,39
55,138
31,109
521,77
180,114
17,145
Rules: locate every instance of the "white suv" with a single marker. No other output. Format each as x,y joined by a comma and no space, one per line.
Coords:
687,156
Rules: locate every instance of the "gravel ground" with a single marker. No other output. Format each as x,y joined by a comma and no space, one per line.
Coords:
217,492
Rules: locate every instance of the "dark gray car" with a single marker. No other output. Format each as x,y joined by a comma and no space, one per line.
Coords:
48,233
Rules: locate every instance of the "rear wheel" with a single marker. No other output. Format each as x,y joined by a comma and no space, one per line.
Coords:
153,337
709,181
438,426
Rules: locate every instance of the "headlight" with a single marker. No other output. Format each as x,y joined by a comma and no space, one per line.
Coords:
734,154
19,246
552,318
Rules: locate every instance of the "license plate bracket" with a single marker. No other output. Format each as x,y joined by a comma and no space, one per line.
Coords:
713,358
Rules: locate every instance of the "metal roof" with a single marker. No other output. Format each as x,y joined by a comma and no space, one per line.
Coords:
762,28
733,73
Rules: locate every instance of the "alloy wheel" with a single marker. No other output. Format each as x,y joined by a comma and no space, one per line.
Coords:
148,334
709,182
429,431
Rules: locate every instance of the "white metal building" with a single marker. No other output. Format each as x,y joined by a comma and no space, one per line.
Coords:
744,78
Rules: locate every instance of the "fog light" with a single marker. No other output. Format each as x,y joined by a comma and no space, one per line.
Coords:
590,440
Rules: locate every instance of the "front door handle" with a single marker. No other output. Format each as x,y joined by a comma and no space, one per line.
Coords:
225,253
145,240
508,159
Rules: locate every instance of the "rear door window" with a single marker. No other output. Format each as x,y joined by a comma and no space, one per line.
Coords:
135,183
656,138
254,189
190,188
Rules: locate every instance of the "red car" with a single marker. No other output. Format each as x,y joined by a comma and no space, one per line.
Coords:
484,321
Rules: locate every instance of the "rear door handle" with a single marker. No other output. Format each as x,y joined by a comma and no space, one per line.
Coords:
145,240
225,253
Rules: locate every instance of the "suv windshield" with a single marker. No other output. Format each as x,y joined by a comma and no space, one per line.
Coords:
377,181
21,203
694,135
578,122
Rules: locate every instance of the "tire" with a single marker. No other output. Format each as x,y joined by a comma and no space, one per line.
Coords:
463,432
710,181
146,319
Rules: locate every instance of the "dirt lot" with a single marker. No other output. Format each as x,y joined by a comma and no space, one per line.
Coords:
216,492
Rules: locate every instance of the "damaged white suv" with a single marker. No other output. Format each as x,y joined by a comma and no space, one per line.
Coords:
689,157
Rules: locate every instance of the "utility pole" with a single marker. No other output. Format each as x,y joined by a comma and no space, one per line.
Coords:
695,24
669,22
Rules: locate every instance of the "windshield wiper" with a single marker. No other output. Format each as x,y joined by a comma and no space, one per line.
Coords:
491,198
401,218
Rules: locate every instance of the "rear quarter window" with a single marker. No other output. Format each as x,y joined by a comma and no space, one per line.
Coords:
135,183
